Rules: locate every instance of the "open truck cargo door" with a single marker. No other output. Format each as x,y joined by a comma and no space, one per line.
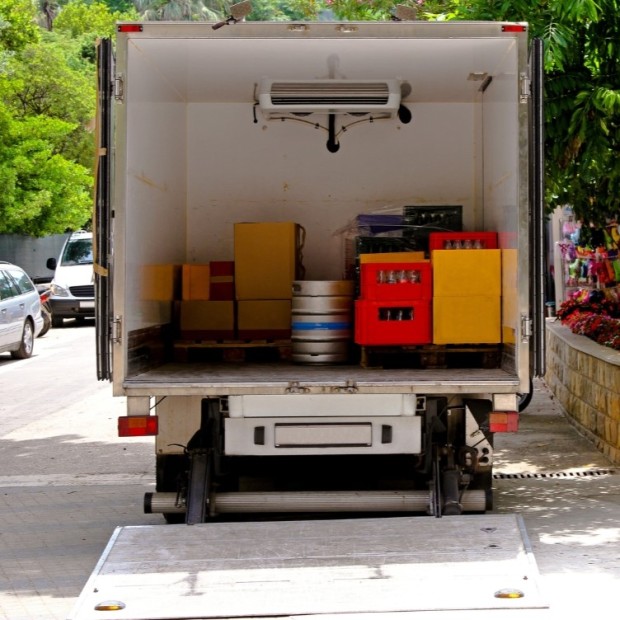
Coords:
101,219
537,214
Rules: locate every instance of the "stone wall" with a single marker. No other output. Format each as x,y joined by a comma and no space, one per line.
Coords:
585,378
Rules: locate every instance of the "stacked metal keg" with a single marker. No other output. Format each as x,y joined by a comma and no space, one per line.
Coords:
322,321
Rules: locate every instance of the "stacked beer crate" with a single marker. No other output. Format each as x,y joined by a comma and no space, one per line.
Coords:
394,307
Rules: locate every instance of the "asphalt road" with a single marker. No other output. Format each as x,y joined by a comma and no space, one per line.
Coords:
67,480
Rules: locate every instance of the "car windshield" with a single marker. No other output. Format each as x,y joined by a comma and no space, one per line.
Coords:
78,252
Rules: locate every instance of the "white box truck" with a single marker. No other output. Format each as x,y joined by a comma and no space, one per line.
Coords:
202,128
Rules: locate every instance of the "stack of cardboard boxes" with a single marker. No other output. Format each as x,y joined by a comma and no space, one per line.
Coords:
207,308
248,298
266,264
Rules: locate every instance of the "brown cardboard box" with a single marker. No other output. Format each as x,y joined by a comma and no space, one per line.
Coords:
196,282
222,280
264,319
207,319
161,282
266,259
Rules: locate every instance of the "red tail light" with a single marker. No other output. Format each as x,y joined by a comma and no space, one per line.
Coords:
138,426
503,422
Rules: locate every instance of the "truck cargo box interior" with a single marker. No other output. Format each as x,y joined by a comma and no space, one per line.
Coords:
199,151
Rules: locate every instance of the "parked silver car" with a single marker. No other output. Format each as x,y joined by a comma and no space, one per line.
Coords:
20,311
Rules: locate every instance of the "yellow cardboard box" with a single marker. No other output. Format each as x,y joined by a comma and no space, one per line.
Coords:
160,282
207,319
266,259
196,282
392,257
264,319
467,320
459,273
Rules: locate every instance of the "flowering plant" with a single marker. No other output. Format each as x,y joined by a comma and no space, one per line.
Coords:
595,314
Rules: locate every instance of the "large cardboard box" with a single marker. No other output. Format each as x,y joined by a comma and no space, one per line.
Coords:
211,320
264,319
266,260
458,273
160,282
196,282
467,320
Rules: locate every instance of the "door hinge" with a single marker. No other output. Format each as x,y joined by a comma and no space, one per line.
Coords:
526,88
295,388
115,330
348,388
526,328
119,88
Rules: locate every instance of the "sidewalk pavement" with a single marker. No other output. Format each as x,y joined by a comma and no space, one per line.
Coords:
55,527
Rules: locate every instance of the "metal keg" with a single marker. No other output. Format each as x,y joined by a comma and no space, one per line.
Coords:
322,319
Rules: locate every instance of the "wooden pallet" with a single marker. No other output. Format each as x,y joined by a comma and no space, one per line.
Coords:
432,356
232,350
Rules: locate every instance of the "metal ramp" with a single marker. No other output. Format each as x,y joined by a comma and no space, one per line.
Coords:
414,567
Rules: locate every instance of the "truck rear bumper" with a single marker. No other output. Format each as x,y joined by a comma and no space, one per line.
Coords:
305,436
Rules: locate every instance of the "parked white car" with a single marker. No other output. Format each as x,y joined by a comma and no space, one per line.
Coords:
73,288
20,311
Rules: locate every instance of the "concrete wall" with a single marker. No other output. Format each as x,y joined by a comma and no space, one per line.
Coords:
31,253
585,378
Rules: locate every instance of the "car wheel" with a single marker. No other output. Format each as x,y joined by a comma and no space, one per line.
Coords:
27,343
57,321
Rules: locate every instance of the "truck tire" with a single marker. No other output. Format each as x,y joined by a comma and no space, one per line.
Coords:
526,398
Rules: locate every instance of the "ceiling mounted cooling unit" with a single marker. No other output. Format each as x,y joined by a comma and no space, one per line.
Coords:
277,97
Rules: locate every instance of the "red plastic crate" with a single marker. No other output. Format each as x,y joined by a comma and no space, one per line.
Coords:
393,322
386,281
464,240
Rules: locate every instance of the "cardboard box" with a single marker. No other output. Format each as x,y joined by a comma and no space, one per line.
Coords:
466,320
222,286
196,282
160,282
264,319
210,320
266,260
392,257
458,273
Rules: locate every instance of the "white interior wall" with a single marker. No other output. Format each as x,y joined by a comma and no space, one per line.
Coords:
275,171
155,184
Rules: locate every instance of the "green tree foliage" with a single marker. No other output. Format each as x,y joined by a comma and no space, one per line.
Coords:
181,10
91,19
17,25
41,192
275,11
47,107
52,79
